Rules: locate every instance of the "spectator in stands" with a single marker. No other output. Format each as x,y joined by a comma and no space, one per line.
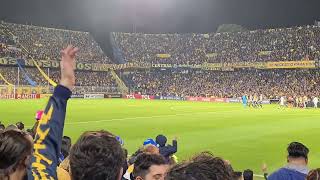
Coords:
237,176
296,169
15,152
166,150
297,43
20,125
44,43
11,127
202,167
314,175
150,167
248,174
151,149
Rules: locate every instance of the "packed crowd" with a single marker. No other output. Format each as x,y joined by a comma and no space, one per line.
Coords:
44,43
43,153
87,82
8,47
226,84
101,155
289,44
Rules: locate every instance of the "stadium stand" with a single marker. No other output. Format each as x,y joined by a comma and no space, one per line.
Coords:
99,154
225,84
45,43
289,44
24,41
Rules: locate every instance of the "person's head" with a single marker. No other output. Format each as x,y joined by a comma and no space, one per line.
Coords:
202,167
151,149
20,125
161,140
65,146
248,174
149,141
2,127
96,155
150,167
11,127
297,153
237,175
314,174
15,153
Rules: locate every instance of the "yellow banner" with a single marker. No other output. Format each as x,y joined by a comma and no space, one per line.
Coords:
206,66
163,56
45,95
290,64
5,80
211,55
45,75
258,65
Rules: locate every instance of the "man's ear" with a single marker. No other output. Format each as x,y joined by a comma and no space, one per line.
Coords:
138,178
120,174
27,161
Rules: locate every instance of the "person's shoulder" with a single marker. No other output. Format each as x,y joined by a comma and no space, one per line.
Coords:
284,173
278,174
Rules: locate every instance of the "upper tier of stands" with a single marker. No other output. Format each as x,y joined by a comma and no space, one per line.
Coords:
45,43
289,44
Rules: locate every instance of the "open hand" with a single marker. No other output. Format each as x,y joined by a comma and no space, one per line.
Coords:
67,65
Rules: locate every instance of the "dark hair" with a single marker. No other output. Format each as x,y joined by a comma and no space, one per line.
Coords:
11,127
2,127
202,167
125,163
14,150
237,175
248,174
20,125
314,174
133,156
96,155
297,150
65,146
144,161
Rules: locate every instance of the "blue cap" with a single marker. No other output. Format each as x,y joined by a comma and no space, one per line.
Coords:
149,141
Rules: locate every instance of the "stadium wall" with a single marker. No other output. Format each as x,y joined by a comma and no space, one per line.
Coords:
188,98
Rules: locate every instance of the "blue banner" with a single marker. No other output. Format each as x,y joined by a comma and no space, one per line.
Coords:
21,64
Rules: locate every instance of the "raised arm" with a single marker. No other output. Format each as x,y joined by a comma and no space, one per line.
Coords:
47,142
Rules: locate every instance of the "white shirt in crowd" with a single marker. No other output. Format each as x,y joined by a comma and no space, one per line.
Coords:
315,102
282,101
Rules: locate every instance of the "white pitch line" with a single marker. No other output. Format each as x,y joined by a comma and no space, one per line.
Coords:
142,117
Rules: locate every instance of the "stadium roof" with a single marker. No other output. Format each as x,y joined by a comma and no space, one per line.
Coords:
160,15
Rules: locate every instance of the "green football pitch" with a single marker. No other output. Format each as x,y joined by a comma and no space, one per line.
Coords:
246,137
